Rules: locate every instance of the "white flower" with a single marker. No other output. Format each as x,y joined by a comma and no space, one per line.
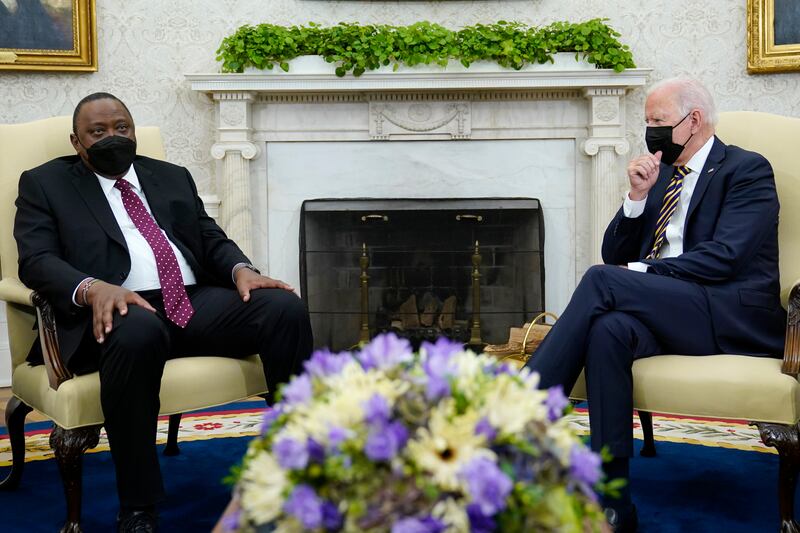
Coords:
510,406
452,515
262,484
343,407
447,444
563,438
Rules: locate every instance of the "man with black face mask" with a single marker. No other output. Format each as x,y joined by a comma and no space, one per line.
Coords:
691,268
137,272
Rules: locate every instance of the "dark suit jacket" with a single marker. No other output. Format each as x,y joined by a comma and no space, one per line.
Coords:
730,247
66,231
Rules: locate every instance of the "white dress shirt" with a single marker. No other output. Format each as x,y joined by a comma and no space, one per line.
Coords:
144,273
673,242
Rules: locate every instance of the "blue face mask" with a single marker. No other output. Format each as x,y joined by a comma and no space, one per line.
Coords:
659,138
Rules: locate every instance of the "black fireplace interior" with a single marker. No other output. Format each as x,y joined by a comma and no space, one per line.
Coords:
419,256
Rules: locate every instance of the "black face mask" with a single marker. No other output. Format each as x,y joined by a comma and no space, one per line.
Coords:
113,155
660,138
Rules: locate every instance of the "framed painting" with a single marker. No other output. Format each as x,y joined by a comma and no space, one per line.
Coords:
773,35
48,35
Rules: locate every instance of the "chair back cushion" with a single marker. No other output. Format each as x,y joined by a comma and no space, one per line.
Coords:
775,137
22,147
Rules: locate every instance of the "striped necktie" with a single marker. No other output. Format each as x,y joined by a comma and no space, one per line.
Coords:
177,306
671,197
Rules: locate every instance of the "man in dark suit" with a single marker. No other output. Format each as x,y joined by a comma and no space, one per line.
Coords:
137,272
691,268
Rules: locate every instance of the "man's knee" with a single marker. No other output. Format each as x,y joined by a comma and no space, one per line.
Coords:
612,329
140,332
281,303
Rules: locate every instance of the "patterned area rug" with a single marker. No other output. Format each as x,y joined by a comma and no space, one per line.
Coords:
245,420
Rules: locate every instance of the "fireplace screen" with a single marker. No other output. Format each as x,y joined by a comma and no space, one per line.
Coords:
466,268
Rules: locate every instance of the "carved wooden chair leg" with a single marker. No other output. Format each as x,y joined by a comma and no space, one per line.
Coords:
172,435
16,411
69,446
269,398
649,446
786,439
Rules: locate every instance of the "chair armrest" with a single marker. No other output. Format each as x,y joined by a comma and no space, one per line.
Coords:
791,353
12,290
57,372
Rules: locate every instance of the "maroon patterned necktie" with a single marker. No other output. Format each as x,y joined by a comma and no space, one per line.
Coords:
176,302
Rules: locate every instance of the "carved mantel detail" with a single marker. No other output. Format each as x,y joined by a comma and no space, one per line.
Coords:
387,119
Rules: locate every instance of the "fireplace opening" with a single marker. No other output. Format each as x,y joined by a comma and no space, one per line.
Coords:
467,269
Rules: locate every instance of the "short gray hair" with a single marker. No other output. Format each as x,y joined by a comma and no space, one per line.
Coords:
690,94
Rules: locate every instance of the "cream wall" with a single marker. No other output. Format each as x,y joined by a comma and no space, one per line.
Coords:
146,47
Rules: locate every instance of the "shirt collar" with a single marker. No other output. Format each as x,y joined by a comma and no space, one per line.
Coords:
130,177
698,160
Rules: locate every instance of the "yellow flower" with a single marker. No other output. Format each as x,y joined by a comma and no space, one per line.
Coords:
510,406
262,484
452,515
343,407
447,444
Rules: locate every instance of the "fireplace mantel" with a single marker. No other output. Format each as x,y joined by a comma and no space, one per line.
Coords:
484,103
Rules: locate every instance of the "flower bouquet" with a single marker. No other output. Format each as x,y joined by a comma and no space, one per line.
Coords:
440,441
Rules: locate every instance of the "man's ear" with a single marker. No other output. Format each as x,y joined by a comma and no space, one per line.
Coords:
73,139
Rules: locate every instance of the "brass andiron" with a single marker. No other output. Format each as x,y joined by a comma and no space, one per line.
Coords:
475,333
363,336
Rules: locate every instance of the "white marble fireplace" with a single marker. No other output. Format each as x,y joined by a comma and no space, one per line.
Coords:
556,134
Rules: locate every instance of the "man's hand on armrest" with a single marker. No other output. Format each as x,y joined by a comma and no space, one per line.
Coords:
105,298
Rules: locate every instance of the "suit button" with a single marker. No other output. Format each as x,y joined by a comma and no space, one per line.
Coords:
123,275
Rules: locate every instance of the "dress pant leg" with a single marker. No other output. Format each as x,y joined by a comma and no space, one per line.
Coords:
666,315
131,364
274,324
615,340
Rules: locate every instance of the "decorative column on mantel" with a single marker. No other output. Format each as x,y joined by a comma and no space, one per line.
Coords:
236,149
605,143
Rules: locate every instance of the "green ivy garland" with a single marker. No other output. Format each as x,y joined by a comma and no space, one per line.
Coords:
356,48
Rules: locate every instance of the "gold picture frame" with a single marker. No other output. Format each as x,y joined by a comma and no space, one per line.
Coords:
52,35
773,36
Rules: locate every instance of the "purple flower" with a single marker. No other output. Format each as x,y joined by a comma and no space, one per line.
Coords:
337,435
439,366
488,486
484,427
383,443
325,363
584,465
304,504
555,402
479,522
418,525
332,519
385,351
316,452
298,390
270,416
502,368
376,410
291,454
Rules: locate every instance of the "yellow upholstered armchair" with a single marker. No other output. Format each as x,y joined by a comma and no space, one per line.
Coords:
760,390
73,402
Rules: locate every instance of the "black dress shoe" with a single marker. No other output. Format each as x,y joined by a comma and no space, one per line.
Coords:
622,520
137,522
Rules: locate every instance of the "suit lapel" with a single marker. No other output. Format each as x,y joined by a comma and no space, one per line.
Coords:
86,183
714,162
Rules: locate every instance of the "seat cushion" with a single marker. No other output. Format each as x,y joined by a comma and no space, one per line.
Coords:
716,386
188,383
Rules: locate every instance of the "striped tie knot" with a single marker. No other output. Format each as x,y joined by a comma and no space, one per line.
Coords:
671,197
